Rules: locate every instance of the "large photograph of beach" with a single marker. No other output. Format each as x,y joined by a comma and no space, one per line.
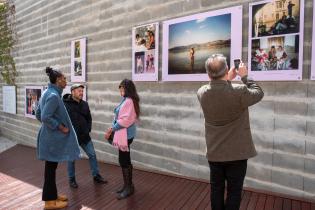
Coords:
190,40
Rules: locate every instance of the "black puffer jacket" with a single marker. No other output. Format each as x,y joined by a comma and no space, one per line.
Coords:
80,116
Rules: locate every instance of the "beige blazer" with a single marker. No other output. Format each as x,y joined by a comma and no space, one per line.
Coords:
227,129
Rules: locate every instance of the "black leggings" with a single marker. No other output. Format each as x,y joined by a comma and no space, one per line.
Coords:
124,157
50,188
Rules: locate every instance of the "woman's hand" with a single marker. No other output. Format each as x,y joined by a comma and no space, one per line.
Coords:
63,129
108,132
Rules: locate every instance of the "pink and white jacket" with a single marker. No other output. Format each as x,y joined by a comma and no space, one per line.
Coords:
126,117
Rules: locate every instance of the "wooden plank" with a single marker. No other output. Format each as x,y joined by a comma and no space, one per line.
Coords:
269,202
167,201
205,202
296,205
306,206
245,200
261,202
202,195
253,201
184,195
287,204
193,198
278,203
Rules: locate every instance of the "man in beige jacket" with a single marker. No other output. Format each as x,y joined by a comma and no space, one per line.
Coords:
227,130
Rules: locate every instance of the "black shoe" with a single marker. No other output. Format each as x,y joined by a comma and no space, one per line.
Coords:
99,179
73,183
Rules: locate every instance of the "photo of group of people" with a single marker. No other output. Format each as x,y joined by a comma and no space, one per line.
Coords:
32,96
275,36
145,52
277,17
275,53
78,59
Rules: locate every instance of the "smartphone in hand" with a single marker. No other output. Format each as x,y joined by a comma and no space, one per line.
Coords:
237,63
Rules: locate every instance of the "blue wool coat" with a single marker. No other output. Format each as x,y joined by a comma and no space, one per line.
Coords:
52,144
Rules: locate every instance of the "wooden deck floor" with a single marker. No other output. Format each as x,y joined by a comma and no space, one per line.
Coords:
21,177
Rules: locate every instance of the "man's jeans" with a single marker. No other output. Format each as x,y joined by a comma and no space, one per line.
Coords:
90,152
233,172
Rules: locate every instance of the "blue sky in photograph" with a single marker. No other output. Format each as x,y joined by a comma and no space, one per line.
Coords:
200,31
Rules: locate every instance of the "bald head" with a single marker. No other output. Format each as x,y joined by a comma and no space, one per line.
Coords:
216,66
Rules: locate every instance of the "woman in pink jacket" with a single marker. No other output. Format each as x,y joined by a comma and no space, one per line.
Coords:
124,128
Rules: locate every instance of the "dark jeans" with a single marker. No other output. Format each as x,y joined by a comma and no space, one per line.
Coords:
124,157
89,150
233,172
50,188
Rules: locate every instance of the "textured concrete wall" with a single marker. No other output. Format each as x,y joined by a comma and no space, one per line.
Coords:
170,135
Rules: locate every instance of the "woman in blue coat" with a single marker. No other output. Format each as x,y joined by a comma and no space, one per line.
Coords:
56,140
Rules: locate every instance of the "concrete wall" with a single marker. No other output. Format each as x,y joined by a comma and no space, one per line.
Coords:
171,133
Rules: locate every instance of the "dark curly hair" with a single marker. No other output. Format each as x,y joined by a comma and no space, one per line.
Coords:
53,74
131,92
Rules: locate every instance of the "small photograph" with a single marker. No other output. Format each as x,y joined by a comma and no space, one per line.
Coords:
77,48
145,53
78,60
77,68
276,17
139,63
149,61
145,38
192,42
276,53
32,96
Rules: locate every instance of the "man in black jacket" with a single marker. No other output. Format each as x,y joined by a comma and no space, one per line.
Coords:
81,119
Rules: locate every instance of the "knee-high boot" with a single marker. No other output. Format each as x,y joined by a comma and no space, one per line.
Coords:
124,173
129,187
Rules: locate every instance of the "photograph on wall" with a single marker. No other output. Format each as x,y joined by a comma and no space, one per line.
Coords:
139,63
9,99
189,41
275,53
313,46
275,37
275,18
78,60
145,52
32,96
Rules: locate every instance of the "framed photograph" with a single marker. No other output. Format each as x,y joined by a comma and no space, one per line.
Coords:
189,41
313,45
32,96
275,44
9,99
78,60
145,42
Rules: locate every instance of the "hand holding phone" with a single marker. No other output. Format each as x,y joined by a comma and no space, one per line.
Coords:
237,63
